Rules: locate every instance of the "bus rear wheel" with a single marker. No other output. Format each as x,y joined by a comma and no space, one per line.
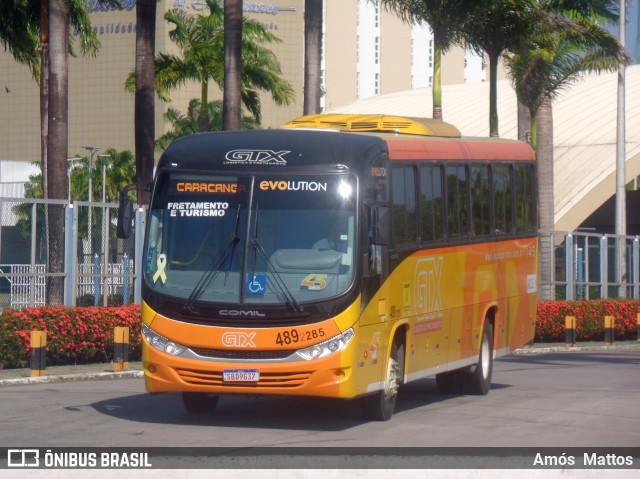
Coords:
381,405
199,403
478,379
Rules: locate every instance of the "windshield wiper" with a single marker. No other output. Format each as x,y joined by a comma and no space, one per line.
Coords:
214,268
257,246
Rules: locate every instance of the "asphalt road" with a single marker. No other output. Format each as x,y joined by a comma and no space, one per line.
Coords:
559,399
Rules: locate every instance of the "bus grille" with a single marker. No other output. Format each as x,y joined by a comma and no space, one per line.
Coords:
228,354
267,380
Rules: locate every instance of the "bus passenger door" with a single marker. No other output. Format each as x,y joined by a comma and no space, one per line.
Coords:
376,264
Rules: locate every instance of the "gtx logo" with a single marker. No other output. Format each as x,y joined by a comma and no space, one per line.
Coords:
427,291
261,157
239,340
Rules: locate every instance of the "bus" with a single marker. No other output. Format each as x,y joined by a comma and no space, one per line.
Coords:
340,256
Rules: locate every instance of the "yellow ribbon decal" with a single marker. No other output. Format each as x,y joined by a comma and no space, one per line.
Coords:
162,264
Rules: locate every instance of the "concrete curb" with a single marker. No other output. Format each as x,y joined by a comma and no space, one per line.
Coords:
59,378
564,349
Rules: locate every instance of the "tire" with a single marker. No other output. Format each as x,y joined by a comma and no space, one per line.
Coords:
381,405
478,380
199,403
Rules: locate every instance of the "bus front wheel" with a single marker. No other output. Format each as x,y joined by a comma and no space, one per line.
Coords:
199,403
380,406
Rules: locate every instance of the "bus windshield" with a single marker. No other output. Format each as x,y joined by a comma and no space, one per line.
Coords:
273,239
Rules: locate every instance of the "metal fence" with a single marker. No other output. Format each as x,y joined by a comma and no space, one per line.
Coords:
25,289
53,252
585,266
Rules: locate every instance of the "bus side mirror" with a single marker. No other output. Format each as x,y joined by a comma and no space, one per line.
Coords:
380,225
125,215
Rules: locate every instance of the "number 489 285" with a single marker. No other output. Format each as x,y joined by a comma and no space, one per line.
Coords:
292,336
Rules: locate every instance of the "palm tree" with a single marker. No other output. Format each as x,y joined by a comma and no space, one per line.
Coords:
19,33
565,44
201,41
555,17
594,9
493,28
445,18
24,31
231,110
120,171
57,144
19,29
89,44
189,123
570,48
56,45
312,55
43,48
144,95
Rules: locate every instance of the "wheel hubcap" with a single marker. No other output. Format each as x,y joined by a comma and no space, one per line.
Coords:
485,358
391,384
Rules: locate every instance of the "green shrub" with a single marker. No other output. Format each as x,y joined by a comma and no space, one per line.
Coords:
74,335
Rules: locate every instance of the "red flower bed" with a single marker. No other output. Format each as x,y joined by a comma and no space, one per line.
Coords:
74,335
589,316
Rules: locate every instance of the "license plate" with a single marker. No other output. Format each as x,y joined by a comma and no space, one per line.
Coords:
240,375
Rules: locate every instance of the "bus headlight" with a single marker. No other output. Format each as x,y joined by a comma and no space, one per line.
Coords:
161,343
330,346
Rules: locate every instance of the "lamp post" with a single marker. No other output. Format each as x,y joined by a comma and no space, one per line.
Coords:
70,166
104,175
621,202
105,211
92,151
105,222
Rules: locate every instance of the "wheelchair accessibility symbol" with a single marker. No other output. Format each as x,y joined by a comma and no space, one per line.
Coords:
257,284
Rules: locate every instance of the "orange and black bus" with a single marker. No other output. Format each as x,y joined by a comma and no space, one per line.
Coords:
340,256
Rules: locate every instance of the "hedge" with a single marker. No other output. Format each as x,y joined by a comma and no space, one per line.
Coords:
85,334
589,316
74,335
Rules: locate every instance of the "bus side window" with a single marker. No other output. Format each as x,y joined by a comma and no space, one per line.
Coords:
525,198
457,202
480,201
431,204
503,199
404,211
